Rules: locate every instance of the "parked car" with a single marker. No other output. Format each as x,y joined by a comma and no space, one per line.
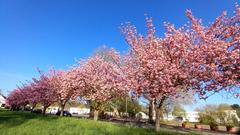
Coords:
65,113
37,111
179,119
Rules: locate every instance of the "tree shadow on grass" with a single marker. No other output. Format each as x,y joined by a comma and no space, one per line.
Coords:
9,119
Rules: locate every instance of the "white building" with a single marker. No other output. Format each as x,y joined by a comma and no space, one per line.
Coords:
52,109
191,116
168,116
76,110
186,116
2,100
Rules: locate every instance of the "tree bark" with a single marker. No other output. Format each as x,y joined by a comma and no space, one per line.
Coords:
157,123
62,107
33,106
91,113
115,112
95,116
44,110
159,114
23,107
150,111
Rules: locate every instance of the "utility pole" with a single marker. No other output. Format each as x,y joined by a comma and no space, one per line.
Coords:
126,105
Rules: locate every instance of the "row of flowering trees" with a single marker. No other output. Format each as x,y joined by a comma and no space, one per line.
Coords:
97,79
197,58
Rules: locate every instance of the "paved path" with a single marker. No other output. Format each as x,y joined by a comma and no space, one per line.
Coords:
198,131
173,128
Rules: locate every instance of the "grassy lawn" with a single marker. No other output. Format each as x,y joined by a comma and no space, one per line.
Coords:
19,123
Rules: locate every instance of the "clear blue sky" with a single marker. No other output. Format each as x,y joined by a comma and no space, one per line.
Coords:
45,33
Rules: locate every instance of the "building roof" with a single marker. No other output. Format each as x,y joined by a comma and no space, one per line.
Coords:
3,96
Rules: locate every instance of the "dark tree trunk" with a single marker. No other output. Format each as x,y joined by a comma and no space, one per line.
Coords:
62,107
102,115
151,111
91,114
44,110
33,106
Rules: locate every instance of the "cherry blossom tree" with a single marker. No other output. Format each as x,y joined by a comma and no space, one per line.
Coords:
28,94
44,91
64,84
103,79
19,97
215,54
203,59
157,67
32,95
14,100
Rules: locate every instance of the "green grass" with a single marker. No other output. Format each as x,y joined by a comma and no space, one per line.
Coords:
20,123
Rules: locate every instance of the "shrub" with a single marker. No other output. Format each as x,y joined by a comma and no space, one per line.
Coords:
235,121
207,119
229,125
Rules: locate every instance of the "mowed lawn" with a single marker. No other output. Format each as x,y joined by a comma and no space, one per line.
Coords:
20,123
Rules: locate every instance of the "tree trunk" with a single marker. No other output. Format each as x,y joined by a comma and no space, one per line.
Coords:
159,114
91,113
157,123
44,110
95,115
150,111
33,106
62,108
23,107
115,112
102,115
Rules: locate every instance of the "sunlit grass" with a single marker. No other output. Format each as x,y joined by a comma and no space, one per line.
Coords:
20,123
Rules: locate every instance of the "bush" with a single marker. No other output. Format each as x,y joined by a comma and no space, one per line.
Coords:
207,119
229,125
213,124
185,124
235,121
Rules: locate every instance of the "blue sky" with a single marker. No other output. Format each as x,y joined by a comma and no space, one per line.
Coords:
45,33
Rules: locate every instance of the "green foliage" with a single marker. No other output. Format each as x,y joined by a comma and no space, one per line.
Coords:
213,124
19,123
232,121
132,108
96,105
211,114
178,111
206,119
229,125
186,123
237,108
235,121
221,115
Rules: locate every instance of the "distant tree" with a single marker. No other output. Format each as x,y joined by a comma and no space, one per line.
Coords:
207,114
178,110
132,107
237,108
224,107
183,99
217,112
